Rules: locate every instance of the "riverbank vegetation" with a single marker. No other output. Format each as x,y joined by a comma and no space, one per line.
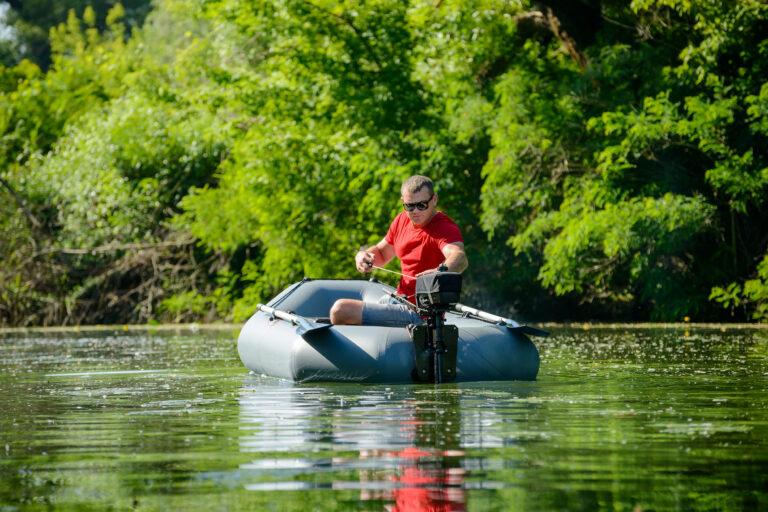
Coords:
185,159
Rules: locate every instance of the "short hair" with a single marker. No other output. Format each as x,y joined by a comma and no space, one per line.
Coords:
416,183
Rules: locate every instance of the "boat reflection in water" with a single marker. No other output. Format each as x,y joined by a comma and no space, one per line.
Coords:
398,445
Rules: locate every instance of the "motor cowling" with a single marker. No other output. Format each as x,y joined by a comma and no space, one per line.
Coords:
438,290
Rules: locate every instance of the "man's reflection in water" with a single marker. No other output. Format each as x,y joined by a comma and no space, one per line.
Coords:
405,444
428,475
428,483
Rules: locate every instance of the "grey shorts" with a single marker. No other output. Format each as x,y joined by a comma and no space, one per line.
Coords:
389,315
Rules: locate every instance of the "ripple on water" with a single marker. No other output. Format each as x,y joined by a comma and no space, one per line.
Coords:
618,420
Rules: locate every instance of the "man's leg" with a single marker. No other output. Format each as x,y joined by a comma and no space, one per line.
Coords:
353,312
347,312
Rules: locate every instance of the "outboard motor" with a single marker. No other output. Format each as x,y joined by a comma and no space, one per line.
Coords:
438,290
435,343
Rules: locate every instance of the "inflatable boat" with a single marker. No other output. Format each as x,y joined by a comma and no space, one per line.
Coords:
291,338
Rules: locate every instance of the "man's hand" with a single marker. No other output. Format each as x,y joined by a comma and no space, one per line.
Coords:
378,254
364,261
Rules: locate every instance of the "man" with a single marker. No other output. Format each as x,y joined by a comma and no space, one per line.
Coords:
424,240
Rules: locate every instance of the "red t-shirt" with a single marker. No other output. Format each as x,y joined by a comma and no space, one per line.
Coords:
420,248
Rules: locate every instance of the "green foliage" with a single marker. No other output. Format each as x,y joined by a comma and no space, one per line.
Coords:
207,306
616,194
312,178
195,166
88,70
752,295
100,150
628,250
756,292
29,23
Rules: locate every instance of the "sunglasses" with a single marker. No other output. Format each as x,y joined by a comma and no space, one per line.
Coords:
421,205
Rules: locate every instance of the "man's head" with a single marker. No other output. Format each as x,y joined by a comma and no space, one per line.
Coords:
419,199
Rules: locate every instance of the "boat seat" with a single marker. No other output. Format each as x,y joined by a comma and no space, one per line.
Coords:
314,298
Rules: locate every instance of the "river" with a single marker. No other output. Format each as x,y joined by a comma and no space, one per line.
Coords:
620,418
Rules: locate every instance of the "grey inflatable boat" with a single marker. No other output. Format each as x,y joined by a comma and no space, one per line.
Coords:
291,338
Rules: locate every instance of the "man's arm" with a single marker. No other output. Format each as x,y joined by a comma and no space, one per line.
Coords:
379,255
455,257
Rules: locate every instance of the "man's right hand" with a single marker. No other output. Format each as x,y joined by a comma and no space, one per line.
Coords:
364,261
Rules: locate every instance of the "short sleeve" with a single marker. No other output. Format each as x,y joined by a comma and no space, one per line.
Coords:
392,232
449,233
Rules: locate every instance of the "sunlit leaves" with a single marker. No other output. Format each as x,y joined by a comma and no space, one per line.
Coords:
277,134
117,171
753,294
609,252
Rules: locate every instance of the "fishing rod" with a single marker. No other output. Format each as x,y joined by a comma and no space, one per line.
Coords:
402,299
392,272
468,311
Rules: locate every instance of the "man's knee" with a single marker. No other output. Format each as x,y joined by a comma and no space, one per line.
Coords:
347,312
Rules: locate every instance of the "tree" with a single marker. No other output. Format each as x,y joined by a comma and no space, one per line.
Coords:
603,160
29,22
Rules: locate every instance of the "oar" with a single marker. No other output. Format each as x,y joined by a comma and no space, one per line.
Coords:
494,319
304,326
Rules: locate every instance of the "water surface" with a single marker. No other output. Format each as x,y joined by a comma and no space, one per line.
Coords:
619,419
